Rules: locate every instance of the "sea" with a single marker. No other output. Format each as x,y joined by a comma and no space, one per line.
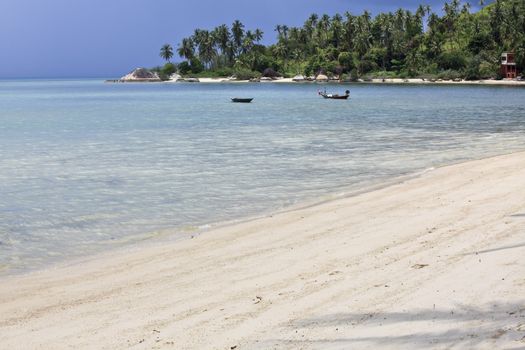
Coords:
88,166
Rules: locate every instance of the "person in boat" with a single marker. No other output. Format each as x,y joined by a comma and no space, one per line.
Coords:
347,93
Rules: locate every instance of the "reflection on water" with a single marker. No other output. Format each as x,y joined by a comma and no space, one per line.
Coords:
86,165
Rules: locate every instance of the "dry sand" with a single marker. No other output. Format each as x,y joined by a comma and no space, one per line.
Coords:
437,261
380,81
504,82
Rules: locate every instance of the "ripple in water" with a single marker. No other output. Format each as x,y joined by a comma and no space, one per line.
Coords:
85,166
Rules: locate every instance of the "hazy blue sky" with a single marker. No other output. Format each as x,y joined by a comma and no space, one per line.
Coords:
108,38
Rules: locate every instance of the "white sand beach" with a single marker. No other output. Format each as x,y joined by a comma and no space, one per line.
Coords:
433,262
137,74
503,82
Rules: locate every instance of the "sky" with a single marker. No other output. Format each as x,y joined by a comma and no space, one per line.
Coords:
109,38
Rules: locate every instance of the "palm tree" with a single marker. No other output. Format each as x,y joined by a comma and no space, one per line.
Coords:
258,35
206,47
451,15
309,26
278,29
322,30
336,29
280,50
285,30
186,49
363,36
166,52
313,19
238,34
221,35
247,43
348,31
397,40
496,19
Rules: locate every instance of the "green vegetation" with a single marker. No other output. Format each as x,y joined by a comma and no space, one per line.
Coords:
165,71
166,52
456,44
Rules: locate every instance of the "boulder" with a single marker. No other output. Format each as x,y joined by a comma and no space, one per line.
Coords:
175,77
141,74
270,73
321,77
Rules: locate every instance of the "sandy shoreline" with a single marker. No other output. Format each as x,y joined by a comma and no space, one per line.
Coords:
380,81
372,81
433,262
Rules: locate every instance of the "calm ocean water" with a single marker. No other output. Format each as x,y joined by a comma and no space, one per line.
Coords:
86,166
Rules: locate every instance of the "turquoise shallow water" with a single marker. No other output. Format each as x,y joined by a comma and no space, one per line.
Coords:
86,166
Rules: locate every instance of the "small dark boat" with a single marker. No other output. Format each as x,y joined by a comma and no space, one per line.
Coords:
242,100
335,96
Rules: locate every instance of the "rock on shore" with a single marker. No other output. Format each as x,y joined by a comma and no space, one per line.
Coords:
141,74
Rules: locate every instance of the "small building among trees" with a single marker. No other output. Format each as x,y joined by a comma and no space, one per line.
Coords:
508,65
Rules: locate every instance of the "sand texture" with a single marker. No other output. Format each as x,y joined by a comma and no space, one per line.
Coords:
434,262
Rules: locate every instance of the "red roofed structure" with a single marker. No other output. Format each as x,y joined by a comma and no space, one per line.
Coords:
508,65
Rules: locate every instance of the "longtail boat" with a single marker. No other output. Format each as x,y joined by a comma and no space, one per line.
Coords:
242,100
335,96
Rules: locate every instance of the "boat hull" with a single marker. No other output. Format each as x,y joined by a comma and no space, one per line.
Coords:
242,100
335,97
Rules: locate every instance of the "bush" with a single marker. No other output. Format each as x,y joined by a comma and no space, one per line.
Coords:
354,75
184,68
453,60
346,60
412,73
488,70
330,67
160,72
166,71
431,70
246,74
472,72
449,74
366,66
293,68
338,70
403,74
196,65
378,55
428,76
216,73
397,65
263,62
479,42
219,72
318,64
382,75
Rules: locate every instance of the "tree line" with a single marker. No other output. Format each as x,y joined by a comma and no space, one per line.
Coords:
457,42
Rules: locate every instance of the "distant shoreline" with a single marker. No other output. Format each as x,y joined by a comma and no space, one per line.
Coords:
396,81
